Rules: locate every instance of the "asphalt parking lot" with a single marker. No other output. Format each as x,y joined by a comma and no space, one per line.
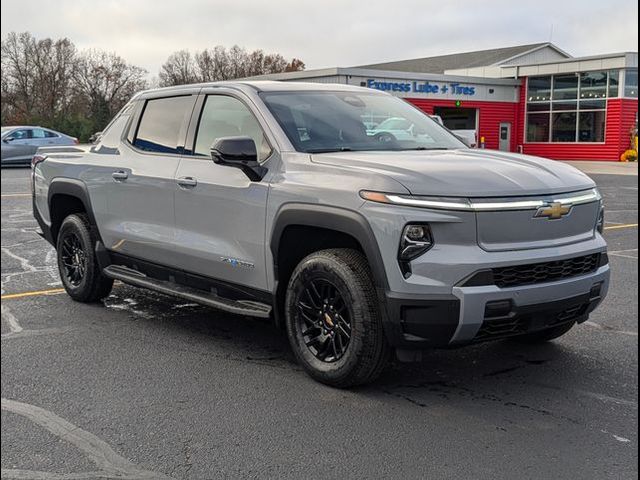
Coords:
144,386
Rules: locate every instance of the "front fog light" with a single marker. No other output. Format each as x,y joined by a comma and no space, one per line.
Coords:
416,240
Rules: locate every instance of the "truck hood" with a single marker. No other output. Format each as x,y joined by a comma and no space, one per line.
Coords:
465,172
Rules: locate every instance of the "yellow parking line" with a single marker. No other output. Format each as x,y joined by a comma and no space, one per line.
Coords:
618,227
7,195
34,293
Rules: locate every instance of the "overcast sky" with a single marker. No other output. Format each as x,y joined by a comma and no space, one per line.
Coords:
326,33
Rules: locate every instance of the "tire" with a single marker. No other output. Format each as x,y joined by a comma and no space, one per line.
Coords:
79,270
385,137
339,342
544,335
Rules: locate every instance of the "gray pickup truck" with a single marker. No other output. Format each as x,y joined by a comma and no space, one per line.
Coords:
275,200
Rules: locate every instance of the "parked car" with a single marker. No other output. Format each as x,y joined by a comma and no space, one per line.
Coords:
396,129
271,199
20,143
469,136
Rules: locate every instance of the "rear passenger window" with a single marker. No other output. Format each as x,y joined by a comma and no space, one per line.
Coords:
224,116
38,133
161,126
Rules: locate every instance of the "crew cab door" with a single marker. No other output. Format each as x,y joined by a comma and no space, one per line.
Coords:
140,181
220,212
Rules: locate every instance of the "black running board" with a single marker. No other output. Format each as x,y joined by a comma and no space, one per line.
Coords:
240,307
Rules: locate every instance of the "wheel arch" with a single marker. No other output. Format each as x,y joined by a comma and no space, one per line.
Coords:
65,197
339,227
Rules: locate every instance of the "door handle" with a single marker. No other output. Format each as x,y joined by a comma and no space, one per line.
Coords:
120,175
187,182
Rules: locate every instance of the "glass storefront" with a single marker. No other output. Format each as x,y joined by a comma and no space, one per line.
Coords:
631,83
570,107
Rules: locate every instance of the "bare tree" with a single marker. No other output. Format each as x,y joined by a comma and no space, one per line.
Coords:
179,69
47,82
107,82
37,76
221,64
295,65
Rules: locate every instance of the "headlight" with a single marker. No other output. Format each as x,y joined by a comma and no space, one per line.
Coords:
481,204
416,240
600,222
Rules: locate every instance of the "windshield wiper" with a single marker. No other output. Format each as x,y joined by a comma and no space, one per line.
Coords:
424,148
329,150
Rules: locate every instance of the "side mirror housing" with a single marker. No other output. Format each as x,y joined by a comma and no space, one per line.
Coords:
239,152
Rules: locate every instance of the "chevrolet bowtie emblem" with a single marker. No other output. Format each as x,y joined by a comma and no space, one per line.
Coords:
553,211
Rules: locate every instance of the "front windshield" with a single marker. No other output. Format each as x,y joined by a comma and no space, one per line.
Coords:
4,131
317,122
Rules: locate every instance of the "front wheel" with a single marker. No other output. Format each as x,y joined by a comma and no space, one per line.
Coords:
79,270
333,320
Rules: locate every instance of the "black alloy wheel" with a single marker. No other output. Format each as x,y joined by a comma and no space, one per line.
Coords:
74,259
323,320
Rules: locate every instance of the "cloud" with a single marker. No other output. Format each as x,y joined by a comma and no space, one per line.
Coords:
325,33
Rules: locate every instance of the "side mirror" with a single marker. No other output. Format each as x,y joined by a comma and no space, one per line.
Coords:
239,152
7,139
95,137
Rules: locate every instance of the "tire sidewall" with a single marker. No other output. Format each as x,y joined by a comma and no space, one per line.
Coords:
342,278
74,224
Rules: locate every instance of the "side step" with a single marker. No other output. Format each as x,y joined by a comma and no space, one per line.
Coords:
239,307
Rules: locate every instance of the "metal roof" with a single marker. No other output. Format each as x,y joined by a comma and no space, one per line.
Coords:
455,61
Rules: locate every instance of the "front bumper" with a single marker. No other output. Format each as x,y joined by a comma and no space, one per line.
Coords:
474,314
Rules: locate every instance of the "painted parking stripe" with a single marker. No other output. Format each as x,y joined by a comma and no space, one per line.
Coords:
9,195
34,293
618,227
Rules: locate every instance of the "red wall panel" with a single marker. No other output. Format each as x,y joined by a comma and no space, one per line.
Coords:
490,115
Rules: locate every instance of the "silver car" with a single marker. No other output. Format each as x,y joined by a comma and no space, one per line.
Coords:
20,143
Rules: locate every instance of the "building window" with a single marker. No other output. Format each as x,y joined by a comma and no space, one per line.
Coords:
565,87
538,127
591,126
569,107
539,89
593,85
614,81
631,83
563,127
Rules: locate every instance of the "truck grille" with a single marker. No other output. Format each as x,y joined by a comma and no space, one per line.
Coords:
531,274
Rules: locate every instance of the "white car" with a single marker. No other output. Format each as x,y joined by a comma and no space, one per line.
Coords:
395,129
469,137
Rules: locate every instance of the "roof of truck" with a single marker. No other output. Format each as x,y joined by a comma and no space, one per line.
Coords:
261,86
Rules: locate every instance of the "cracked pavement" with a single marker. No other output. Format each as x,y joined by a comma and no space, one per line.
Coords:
146,386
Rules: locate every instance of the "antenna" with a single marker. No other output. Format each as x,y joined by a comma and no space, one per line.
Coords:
551,33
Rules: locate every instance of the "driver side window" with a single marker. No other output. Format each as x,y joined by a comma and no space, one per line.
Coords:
19,135
224,116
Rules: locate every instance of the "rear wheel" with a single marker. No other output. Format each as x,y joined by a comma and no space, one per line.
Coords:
79,270
333,320
545,335
385,137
